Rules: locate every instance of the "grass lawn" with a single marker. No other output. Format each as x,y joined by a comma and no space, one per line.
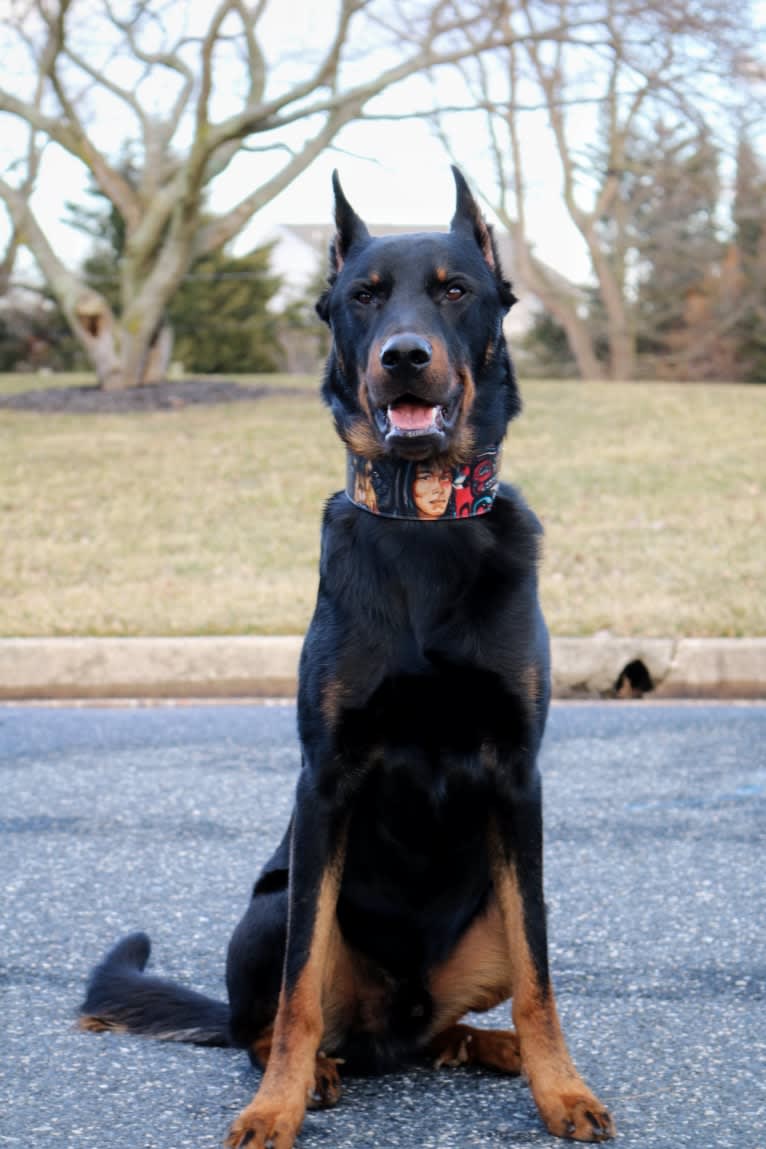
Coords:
205,520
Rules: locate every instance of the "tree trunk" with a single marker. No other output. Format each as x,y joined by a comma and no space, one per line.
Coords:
561,305
144,360
158,359
577,330
581,345
622,354
120,357
622,343
95,327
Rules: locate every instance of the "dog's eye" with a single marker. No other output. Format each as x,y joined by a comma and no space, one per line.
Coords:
364,297
454,292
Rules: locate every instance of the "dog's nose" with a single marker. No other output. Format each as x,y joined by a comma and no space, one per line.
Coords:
405,351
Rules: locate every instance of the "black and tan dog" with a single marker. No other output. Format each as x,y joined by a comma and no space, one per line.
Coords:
408,887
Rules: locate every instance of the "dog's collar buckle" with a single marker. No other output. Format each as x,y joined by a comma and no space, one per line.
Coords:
429,490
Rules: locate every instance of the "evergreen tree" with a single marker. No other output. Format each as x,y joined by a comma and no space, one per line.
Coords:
547,348
219,316
674,188
749,218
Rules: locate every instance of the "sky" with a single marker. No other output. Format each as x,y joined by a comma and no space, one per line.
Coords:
394,172
404,178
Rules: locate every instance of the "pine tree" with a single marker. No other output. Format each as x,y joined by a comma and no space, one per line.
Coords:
219,316
674,190
749,218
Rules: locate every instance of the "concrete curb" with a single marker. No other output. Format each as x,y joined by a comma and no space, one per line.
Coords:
214,667
263,667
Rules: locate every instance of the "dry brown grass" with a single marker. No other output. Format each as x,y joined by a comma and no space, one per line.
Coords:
206,520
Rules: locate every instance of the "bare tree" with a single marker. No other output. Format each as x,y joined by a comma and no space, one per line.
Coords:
25,168
8,259
628,64
145,64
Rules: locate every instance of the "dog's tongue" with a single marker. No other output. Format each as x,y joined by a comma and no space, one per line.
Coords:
411,416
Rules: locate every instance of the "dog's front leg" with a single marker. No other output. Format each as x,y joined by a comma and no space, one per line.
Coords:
275,1115
566,1105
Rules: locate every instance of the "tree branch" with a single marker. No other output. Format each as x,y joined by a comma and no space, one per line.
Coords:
100,77
65,285
70,134
216,234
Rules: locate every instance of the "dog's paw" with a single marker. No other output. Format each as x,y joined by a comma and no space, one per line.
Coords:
327,1086
496,1049
578,1116
263,1126
453,1047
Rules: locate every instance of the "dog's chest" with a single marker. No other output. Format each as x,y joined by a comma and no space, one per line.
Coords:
416,854
420,815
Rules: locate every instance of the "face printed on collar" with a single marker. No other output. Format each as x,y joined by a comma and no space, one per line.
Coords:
431,489
427,490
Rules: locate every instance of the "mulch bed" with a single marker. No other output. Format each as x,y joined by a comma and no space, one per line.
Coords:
165,396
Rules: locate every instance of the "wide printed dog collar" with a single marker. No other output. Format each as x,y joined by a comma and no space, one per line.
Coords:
428,490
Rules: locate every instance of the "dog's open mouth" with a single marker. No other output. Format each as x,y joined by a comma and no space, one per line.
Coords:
411,418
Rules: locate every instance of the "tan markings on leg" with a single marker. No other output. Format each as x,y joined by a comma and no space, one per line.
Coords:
531,682
331,700
261,1047
566,1105
466,1045
531,689
276,1114
327,1087
476,975
340,991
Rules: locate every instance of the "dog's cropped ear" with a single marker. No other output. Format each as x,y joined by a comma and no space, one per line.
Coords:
350,229
468,218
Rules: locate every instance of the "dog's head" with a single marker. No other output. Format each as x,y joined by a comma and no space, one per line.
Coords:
419,366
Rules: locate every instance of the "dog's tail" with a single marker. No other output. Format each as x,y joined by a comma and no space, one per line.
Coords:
122,997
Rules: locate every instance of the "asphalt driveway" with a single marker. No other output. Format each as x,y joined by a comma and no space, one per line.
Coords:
158,818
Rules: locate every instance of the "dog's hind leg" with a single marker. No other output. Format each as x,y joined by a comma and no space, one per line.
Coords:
475,977
468,1045
255,959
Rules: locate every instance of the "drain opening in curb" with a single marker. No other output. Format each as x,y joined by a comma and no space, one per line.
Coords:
634,680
